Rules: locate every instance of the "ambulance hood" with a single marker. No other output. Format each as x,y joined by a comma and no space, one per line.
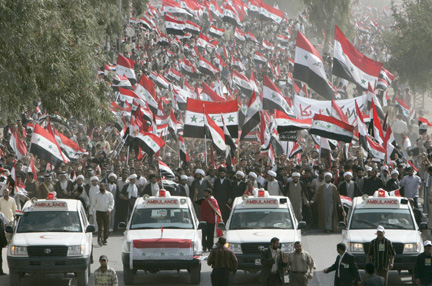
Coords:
167,233
48,238
394,235
262,235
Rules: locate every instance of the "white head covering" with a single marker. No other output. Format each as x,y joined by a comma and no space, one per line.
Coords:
133,176
183,177
272,173
347,174
295,174
395,172
80,177
112,175
252,174
94,178
200,171
380,228
240,173
427,243
328,174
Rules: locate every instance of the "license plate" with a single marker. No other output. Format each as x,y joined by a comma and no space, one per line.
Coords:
257,261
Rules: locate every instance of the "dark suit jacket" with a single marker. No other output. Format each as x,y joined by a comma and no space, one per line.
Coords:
374,280
267,262
237,190
348,270
342,189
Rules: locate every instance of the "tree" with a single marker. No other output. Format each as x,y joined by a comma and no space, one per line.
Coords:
410,42
51,52
324,14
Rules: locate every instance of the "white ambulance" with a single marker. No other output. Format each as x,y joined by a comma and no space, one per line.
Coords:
397,218
51,236
254,221
163,233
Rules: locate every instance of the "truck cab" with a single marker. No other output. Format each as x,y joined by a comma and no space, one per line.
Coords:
163,233
51,236
396,216
254,221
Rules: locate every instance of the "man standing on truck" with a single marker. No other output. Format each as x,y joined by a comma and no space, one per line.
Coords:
381,253
423,268
223,261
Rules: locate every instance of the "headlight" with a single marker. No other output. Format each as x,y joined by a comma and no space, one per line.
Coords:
126,247
410,247
287,247
235,247
355,247
76,250
19,250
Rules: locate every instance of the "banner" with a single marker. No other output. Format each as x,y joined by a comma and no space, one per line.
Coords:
305,108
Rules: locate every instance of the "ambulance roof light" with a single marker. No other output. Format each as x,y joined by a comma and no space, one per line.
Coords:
380,193
261,193
163,194
51,196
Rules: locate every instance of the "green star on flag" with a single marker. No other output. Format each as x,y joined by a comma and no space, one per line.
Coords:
274,95
352,69
230,118
143,254
363,81
194,119
50,146
162,253
306,57
38,140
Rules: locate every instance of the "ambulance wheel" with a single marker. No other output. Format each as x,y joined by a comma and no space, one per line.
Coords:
128,275
14,278
195,274
83,277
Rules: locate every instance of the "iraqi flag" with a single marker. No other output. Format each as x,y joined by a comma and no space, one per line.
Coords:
188,68
207,94
174,26
206,67
294,148
239,35
385,79
425,121
165,171
283,40
215,32
375,149
229,141
252,120
44,146
149,143
69,147
192,28
309,68
331,128
286,123
161,248
173,7
195,119
268,12
267,45
259,58
125,67
175,75
251,37
230,16
184,157
351,64
17,145
215,133
206,42
146,90
403,107
241,82
273,98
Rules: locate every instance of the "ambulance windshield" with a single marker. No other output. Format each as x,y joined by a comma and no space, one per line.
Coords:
389,218
261,219
49,221
161,217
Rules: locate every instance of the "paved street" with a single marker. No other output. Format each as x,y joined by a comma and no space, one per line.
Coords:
321,246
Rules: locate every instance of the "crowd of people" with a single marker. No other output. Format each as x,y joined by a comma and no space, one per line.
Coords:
107,176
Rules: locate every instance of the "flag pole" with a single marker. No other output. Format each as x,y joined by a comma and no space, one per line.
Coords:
205,137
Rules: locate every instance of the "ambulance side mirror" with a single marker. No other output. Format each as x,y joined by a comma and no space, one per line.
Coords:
90,228
301,225
202,225
342,225
423,226
9,229
221,226
122,225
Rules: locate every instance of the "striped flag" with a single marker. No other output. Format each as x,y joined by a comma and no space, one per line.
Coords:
125,67
17,145
331,128
44,146
215,133
165,170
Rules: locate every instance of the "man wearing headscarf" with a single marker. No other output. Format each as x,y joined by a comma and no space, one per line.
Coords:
238,185
129,194
199,184
348,187
63,187
393,183
45,188
114,190
92,191
273,186
295,192
328,203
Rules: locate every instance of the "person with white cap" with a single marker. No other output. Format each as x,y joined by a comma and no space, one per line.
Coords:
63,186
238,185
200,184
273,186
328,205
184,189
295,191
129,193
381,253
384,174
348,187
423,267
252,177
393,183
114,190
